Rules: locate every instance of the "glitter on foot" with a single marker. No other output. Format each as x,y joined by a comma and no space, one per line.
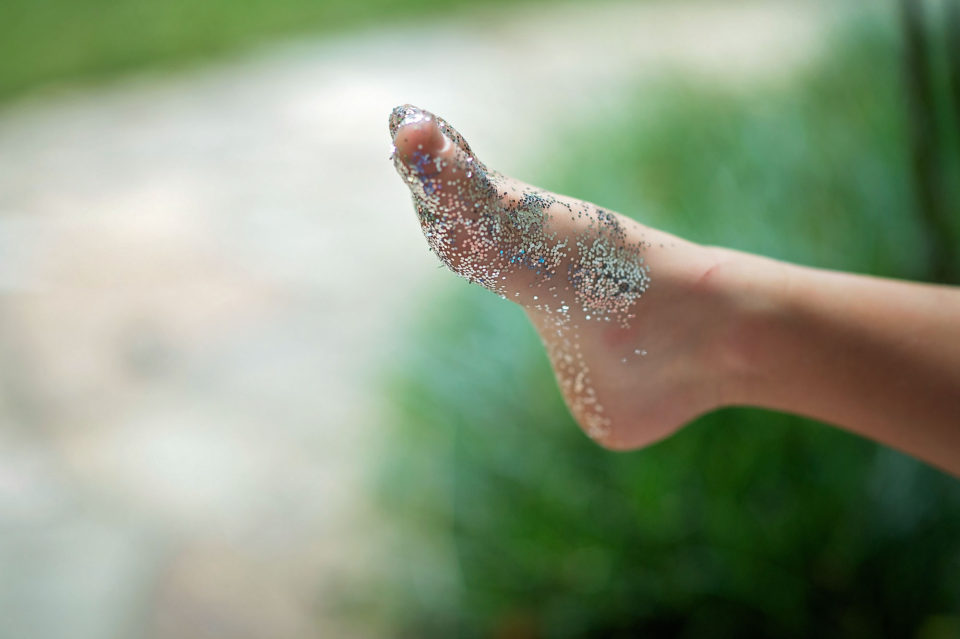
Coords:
568,261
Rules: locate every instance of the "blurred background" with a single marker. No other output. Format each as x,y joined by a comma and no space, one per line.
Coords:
238,397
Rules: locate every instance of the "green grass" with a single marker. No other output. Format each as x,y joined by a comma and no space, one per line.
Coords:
745,524
45,42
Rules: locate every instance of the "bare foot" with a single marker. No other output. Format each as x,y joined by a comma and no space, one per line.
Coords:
629,315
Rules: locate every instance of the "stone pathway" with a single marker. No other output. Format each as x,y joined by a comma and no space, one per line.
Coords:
200,273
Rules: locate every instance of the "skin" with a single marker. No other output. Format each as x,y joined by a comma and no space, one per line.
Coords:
878,357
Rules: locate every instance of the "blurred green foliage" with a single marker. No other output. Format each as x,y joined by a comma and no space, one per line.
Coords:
745,524
49,41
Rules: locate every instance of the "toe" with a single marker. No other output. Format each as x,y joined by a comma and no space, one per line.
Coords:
415,133
437,164
453,195
424,156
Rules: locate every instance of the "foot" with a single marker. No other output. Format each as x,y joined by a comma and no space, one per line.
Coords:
629,315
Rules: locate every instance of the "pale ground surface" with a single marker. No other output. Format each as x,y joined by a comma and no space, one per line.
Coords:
199,275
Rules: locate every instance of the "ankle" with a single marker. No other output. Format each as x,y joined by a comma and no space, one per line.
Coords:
745,298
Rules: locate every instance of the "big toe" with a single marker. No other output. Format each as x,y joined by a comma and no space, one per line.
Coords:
436,161
455,198
415,133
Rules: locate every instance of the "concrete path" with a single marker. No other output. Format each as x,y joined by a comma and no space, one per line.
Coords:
200,274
